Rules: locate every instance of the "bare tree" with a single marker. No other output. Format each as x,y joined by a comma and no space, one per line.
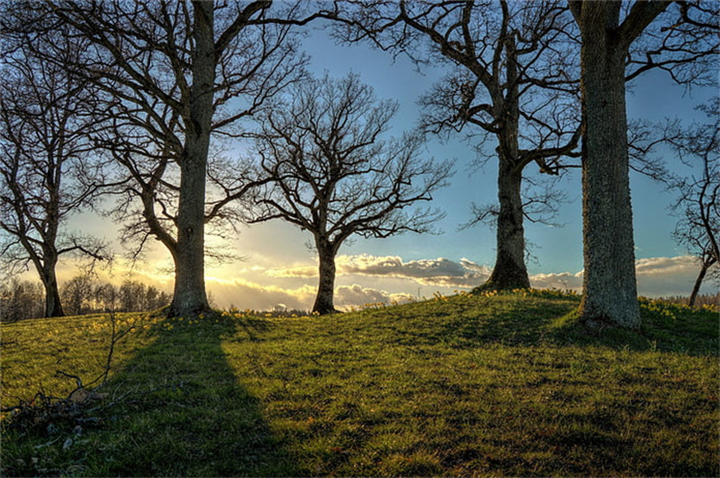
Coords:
699,204
512,78
608,30
77,294
334,175
177,74
20,300
49,169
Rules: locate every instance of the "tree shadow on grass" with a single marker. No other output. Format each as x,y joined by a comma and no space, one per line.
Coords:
665,327
519,322
187,414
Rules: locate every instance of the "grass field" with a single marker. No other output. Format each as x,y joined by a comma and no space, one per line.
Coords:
504,384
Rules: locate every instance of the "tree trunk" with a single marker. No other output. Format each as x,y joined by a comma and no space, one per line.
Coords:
609,286
53,305
189,297
45,266
509,271
326,284
698,283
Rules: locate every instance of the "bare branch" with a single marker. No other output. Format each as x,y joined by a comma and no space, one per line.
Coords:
332,173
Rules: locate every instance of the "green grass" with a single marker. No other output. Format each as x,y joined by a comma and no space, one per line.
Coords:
506,384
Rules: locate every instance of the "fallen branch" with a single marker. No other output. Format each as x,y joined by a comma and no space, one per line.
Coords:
43,410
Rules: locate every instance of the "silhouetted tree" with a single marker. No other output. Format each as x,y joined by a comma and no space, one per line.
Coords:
49,168
699,204
106,297
175,74
77,294
334,175
513,76
21,300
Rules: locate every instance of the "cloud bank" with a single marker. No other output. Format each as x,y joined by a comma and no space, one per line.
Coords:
366,279
656,277
248,295
660,276
438,272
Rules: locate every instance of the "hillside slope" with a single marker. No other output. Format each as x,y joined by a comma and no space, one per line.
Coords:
465,385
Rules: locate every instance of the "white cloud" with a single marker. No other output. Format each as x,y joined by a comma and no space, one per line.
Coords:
367,279
656,277
562,281
299,271
669,276
438,272
248,295
357,296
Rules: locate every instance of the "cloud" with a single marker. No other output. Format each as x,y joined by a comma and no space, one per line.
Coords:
653,266
562,281
300,271
656,277
361,276
248,295
357,296
438,272
669,276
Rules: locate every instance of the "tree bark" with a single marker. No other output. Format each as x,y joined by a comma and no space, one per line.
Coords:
189,297
609,284
509,271
326,283
53,305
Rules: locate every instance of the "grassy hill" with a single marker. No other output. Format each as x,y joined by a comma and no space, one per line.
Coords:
504,384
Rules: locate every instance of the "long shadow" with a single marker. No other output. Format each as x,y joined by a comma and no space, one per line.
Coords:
664,328
519,323
183,413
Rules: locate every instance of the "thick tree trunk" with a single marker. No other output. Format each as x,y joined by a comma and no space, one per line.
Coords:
510,271
326,283
189,297
45,267
53,305
609,286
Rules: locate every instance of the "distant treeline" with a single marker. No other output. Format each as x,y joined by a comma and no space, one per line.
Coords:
702,299
80,295
85,295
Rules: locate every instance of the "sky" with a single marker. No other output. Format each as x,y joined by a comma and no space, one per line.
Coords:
278,269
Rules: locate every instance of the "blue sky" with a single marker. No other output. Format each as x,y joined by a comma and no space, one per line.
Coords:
654,96
279,269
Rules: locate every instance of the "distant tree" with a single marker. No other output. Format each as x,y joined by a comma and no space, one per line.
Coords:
131,296
77,294
151,299
334,175
176,74
513,78
21,300
106,297
699,204
682,43
49,168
